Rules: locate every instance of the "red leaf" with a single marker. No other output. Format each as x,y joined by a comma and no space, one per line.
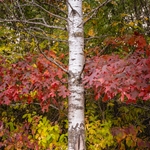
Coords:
6,100
46,74
105,98
129,77
52,93
54,85
62,91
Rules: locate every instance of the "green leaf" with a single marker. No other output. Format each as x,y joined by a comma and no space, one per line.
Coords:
11,125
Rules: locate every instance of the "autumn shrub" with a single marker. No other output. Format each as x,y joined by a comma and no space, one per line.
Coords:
35,132
109,125
98,135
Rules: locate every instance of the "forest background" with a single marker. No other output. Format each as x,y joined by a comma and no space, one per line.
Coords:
33,82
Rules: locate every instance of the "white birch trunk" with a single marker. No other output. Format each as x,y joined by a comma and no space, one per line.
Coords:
76,130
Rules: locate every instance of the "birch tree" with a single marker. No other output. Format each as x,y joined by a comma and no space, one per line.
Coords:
76,132
76,129
17,15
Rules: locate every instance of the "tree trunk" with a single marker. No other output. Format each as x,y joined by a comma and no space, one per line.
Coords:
76,129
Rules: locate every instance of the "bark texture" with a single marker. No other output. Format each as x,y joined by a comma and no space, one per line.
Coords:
76,131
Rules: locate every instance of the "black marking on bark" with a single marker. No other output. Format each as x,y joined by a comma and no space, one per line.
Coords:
75,106
77,134
78,34
73,11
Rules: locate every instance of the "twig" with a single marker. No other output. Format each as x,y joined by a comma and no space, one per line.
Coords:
34,104
96,37
51,59
94,11
29,22
41,36
18,5
54,6
139,106
49,12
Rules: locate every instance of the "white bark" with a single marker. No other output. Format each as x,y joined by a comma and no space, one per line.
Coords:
76,131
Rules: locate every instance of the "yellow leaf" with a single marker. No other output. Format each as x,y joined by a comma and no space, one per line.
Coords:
114,3
115,23
146,18
91,32
131,23
51,145
33,93
124,15
34,65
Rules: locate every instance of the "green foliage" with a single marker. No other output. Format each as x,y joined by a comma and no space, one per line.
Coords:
35,131
108,126
116,125
111,125
98,135
46,134
15,44
98,131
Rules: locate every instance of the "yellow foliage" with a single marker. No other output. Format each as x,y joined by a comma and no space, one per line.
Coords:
34,65
131,23
91,32
124,15
146,18
115,23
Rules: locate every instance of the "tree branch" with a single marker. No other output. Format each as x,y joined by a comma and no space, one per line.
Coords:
31,22
15,104
94,11
51,59
17,9
54,62
45,36
138,105
49,11
54,6
95,37
20,10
